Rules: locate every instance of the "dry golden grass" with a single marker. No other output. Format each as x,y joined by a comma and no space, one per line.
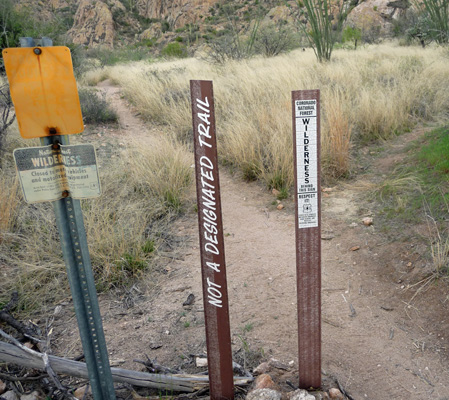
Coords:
371,93
8,204
142,192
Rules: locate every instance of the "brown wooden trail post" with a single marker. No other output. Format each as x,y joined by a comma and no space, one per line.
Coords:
213,267
306,138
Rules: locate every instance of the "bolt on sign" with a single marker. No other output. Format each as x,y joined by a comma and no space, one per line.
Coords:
43,90
49,173
306,138
215,296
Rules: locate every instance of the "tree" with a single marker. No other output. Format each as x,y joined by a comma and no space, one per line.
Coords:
434,21
274,39
238,43
318,25
351,34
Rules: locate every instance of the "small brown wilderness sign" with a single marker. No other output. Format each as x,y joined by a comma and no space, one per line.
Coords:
213,267
306,138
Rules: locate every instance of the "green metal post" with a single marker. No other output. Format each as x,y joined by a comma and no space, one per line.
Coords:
69,220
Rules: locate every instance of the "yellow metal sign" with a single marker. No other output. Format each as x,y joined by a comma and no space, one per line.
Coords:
43,90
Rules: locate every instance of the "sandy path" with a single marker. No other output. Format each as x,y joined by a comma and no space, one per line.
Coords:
388,349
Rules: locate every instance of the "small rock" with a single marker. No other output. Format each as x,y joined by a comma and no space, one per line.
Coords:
32,396
355,248
353,224
10,396
58,310
274,363
280,206
155,345
367,221
264,381
261,369
335,393
300,394
81,392
201,362
327,190
276,192
115,363
264,394
2,387
190,300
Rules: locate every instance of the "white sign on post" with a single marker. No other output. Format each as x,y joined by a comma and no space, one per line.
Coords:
46,173
307,173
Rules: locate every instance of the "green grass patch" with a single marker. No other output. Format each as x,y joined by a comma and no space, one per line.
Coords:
421,184
435,152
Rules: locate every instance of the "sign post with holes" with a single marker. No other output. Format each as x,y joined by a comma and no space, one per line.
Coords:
213,267
306,139
45,97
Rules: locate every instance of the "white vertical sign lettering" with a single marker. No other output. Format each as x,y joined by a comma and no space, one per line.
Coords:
307,160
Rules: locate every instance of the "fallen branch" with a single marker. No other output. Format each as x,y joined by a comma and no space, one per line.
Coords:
5,316
44,358
177,383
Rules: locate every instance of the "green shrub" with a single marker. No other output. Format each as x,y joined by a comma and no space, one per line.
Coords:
95,108
175,49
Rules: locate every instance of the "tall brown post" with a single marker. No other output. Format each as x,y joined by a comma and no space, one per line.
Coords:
213,267
306,137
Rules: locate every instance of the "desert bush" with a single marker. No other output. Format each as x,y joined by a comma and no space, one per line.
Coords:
272,40
175,49
436,14
95,108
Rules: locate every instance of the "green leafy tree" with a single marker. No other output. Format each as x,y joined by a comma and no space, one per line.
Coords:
351,34
321,25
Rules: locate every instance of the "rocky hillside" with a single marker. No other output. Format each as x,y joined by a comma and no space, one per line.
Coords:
117,22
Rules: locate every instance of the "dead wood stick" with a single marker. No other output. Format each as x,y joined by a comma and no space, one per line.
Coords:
11,378
178,383
154,367
44,358
5,316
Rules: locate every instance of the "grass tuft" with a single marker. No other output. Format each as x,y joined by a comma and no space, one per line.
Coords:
95,108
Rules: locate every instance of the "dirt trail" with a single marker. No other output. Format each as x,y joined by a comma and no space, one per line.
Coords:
375,341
